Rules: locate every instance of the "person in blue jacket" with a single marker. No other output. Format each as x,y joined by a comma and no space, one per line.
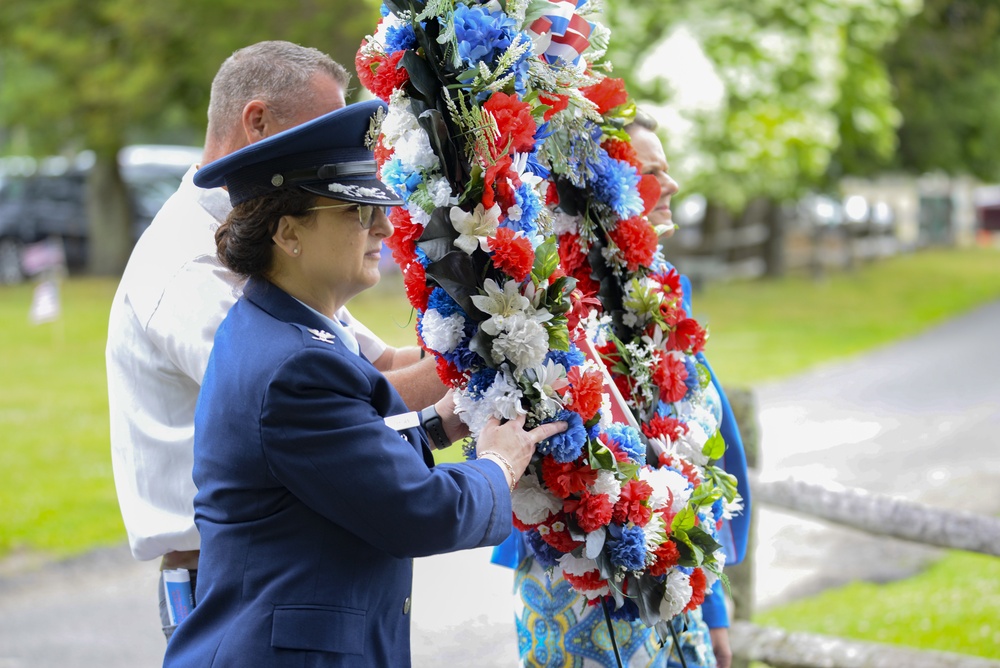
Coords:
552,630
316,486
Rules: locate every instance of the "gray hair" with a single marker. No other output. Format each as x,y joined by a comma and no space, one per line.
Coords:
643,120
274,72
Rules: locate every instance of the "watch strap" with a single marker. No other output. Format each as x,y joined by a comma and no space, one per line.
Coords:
433,425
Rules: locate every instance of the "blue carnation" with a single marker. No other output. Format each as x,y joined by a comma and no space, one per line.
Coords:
443,302
462,357
629,551
627,440
692,381
384,11
567,358
480,381
568,445
422,257
546,555
400,38
616,184
482,35
403,180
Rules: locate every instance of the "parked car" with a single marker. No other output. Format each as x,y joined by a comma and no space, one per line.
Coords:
47,200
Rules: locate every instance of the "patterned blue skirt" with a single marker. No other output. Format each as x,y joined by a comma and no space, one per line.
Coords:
556,628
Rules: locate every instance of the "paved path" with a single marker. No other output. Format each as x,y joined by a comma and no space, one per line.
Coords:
918,419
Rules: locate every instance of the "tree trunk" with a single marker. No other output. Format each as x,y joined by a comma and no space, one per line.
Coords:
109,216
774,247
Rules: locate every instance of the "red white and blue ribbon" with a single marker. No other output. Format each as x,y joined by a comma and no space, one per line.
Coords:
561,35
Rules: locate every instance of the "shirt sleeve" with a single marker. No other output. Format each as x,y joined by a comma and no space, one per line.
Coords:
189,311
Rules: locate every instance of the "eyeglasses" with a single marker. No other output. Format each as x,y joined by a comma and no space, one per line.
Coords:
366,212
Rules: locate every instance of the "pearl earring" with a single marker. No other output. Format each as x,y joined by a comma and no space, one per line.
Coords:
295,251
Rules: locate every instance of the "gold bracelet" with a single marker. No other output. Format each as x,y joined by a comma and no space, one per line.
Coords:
506,465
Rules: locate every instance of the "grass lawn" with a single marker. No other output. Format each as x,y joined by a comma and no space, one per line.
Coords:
951,607
58,496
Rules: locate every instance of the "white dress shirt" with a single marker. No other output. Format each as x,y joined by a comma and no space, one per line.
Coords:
171,299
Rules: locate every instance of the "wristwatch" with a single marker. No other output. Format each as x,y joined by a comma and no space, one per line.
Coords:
431,422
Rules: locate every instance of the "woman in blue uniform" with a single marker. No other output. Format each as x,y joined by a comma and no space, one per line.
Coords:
316,487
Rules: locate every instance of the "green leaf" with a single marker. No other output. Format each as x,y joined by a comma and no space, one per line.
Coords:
715,447
546,260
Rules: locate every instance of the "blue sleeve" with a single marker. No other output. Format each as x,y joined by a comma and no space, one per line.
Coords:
511,552
714,610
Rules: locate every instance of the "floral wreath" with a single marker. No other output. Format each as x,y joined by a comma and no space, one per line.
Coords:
540,288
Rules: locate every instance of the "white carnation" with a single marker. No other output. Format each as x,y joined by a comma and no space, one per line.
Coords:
399,120
669,487
523,342
677,594
532,503
606,483
565,224
440,191
505,397
442,333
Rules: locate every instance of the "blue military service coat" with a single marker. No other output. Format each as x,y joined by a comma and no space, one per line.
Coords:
310,506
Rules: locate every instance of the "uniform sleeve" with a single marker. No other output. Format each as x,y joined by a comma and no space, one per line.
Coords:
325,441
189,311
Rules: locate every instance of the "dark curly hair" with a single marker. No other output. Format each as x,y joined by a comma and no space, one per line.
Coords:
244,241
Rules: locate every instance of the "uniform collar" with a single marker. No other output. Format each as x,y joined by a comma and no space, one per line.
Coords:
279,304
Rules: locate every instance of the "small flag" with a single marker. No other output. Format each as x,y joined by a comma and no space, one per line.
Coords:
45,303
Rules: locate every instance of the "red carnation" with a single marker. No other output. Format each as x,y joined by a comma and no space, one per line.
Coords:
389,76
555,103
669,374
564,479
512,254
495,184
650,191
622,150
586,387
514,121
637,240
366,64
382,154
415,284
664,427
589,581
403,242
558,534
592,511
551,194
607,94
632,506
667,557
698,583
449,373
688,336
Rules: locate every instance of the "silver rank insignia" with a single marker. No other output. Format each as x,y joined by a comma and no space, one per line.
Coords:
322,335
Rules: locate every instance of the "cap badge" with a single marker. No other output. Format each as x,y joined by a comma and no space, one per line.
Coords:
322,335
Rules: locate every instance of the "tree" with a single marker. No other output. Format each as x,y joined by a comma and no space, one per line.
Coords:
803,81
102,73
946,71
806,96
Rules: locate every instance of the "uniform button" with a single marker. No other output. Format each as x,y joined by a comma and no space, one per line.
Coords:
406,606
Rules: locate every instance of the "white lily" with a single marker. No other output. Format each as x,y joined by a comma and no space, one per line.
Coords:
474,228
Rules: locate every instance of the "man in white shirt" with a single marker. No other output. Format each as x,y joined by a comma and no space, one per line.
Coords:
174,293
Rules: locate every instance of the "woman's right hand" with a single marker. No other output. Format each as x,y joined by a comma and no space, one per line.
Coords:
512,442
